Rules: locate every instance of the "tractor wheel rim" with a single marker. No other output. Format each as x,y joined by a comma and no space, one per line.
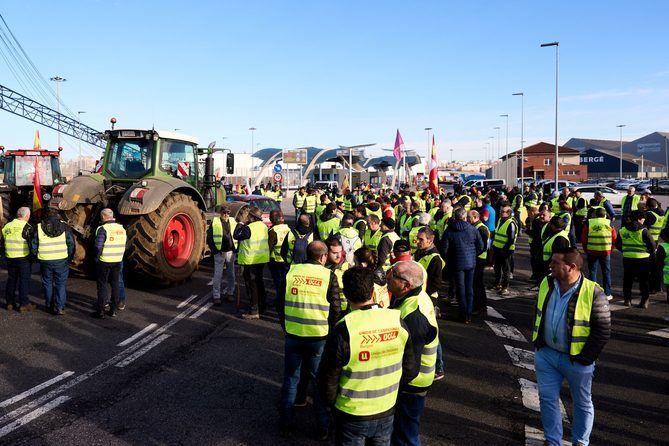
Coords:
178,240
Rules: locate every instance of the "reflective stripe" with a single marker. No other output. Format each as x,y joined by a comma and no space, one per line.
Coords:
579,339
373,373
308,306
427,368
430,350
303,321
581,323
367,394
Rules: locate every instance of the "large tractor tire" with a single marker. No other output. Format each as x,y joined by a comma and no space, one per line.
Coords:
6,208
79,218
168,243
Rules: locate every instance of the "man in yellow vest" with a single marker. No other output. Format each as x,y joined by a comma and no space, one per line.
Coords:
277,266
373,232
298,201
110,244
504,245
311,308
572,325
222,246
480,296
253,239
598,238
309,206
360,375
388,238
53,245
638,248
16,237
629,203
405,281
554,238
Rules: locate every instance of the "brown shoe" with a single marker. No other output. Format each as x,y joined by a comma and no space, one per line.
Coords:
250,315
26,308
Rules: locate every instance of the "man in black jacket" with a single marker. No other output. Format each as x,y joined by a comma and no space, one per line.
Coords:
571,327
638,248
344,373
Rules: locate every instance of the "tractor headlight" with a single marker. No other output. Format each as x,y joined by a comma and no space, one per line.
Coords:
46,196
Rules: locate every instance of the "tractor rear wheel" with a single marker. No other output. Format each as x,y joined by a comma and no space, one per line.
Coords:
6,208
79,219
167,243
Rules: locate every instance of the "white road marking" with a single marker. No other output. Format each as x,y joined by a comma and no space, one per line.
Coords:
506,331
521,358
99,368
211,282
535,437
617,307
32,415
494,313
185,302
663,333
35,389
530,392
142,350
137,335
201,311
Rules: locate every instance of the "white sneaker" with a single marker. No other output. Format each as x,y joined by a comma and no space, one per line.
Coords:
609,297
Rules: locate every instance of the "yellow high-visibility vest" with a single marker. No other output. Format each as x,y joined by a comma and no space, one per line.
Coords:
306,305
114,245
254,250
16,247
51,248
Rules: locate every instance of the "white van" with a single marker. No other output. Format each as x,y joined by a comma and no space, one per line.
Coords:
494,183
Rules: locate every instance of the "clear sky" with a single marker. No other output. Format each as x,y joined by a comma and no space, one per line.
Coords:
311,73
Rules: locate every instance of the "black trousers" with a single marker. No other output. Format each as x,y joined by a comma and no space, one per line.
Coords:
635,269
18,273
480,296
108,273
536,263
255,287
656,276
502,266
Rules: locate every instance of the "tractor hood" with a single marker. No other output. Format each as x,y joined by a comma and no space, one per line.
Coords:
85,189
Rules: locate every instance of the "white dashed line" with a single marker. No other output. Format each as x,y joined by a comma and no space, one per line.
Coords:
142,350
35,389
32,415
663,333
494,313
521,358
137,335
211,282
617,307
506,331
185,302
201,311
530,393
535,437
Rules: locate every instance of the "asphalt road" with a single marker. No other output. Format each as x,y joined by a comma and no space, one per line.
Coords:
201,375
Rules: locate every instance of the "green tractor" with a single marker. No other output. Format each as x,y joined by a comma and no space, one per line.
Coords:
154,183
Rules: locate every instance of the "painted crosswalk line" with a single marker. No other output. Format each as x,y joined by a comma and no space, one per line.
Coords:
663,333
494,313
506,331
535,437
530,392
521,358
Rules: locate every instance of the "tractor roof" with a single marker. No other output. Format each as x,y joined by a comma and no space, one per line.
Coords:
179,136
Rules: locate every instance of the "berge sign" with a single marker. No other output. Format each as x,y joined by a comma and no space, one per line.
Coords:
592,159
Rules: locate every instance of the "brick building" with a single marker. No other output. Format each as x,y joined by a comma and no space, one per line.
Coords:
539,159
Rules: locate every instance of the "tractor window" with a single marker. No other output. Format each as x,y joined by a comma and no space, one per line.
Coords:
130,158
25,170
177,158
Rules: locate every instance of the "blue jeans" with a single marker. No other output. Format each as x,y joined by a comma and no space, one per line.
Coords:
464,289
361,433
439,366
296,351
121,286
18,273
552,367
605,262
54,282
406,428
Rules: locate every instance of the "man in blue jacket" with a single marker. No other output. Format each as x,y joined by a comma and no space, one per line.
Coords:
460,246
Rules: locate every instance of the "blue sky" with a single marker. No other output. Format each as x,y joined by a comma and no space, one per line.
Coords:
328,73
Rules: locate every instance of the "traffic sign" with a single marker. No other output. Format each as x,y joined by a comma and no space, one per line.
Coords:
278,177
277,167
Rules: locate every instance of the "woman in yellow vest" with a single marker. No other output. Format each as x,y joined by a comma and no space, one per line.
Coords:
637,246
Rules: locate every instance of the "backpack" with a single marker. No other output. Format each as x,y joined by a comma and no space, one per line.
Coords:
350,244
300,248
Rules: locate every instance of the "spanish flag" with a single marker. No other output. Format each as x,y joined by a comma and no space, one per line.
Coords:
37,188
345,186
37,144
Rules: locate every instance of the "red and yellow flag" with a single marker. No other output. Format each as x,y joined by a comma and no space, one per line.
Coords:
434,177
37,144
37,187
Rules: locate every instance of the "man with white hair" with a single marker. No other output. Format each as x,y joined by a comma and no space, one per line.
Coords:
15,237
405,280
110,243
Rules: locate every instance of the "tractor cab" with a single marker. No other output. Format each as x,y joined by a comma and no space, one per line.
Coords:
135,154
19,167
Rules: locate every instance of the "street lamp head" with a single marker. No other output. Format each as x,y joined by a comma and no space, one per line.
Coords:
503,116
428,128
621,125
518,94
550,44
252,128
58,79
496,128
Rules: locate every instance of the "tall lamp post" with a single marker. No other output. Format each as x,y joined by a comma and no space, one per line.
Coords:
58,80
620,126
522,137
557,74
429,152
507,145
492,148
252,129
79,113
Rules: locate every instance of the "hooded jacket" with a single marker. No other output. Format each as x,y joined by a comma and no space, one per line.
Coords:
54,227
460,246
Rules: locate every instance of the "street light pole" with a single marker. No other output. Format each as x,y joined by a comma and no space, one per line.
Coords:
79,113
429,154
58,80
557,74
522,137
252,129
499,138
492,148
507,145
620,126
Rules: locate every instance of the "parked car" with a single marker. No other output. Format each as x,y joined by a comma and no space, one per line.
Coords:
662,187
265,204
494,183
588,192
623,184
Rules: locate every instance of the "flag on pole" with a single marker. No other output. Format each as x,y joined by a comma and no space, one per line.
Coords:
345,186
37,144
37,187
434,178
397,151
